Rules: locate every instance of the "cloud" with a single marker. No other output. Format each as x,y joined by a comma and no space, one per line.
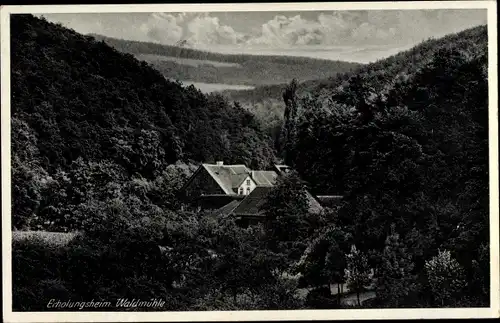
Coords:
285,30
369,33
199,30
207,30
338,28
358,28
163,28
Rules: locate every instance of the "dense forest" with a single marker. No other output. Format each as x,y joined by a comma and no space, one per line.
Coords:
74,98
408,149
266,102
179,63
101,143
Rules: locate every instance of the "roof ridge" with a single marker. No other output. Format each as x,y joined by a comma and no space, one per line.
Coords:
225,211
234,208
217,179
244,178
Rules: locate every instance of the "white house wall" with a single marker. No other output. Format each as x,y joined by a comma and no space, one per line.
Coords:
245,186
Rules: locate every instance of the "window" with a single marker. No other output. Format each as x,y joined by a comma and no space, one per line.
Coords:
248,182
248,190
241,190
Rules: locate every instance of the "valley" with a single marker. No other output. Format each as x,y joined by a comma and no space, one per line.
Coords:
190,65
111,155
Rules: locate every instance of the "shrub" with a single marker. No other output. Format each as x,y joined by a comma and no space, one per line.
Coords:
321,298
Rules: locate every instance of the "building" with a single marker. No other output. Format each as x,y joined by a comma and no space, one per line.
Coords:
250,209
236,190
220,179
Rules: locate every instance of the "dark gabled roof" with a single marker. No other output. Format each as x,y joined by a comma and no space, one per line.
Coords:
253,202
228,176
226,209
216,201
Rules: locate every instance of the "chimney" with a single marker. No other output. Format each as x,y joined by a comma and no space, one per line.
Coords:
253,175
220,163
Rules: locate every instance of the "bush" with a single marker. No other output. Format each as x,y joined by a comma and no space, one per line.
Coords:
321,298
37,268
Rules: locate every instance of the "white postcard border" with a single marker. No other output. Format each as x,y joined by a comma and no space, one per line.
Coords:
292,315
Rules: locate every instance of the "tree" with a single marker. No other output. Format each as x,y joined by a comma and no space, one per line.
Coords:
235,261
324,261
165,187
290,115
358,273
395,280
445,277
361,95
336,259
245,267
479,285
287,209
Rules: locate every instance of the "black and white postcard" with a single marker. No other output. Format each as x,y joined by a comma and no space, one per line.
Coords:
292,161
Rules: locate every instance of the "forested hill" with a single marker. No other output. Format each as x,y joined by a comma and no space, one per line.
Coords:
380,77
73,96
405,140
384,74
381,73
90,122
188,64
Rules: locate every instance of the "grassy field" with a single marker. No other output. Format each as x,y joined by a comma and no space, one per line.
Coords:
217,87
185,61
50,238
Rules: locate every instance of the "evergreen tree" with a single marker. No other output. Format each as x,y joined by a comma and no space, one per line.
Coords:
358,273
445,277
289,126
394,278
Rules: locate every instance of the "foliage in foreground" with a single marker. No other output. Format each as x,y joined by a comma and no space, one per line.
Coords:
192,261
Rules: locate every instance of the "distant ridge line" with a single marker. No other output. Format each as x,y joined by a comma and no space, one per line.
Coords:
185,52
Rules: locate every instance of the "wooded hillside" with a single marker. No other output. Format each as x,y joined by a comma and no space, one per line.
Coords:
75,98
405,140
242,69
266,101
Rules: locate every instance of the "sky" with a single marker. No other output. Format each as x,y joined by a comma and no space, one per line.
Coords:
360,36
